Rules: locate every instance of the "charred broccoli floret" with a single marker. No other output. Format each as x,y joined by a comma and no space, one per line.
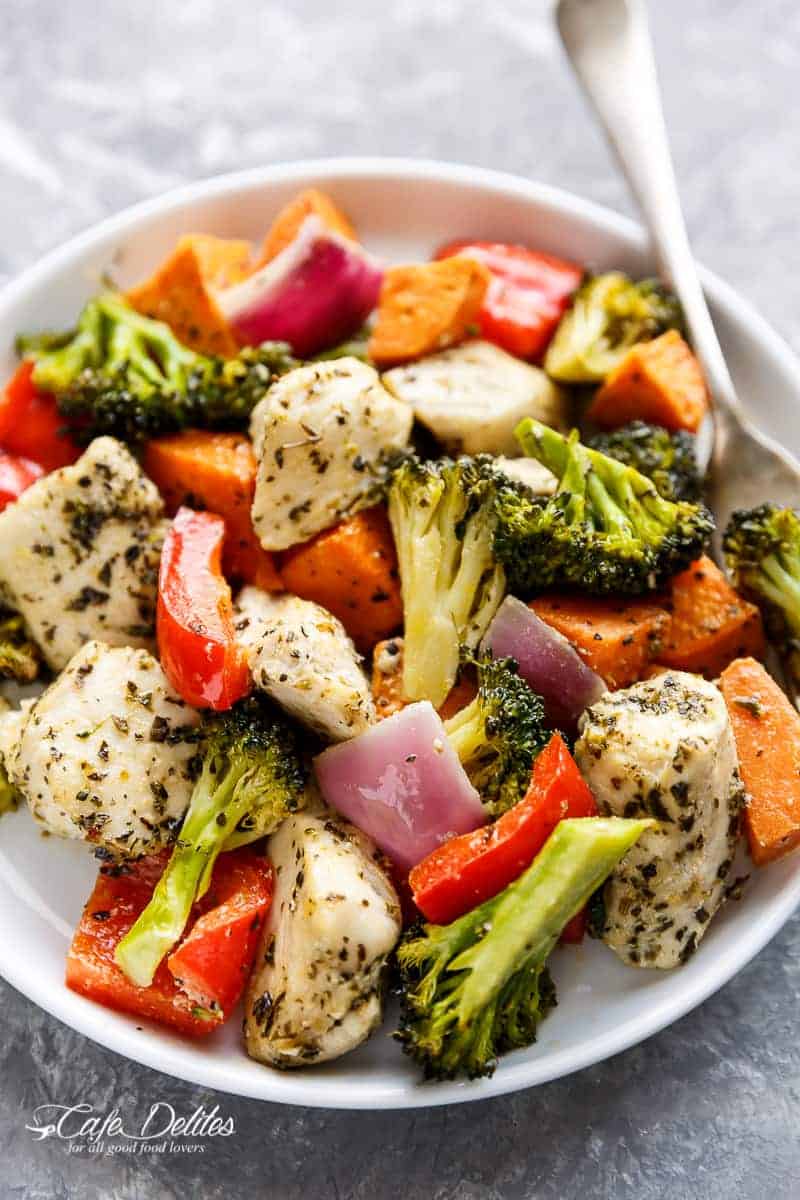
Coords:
253,774
606,529
19,658
124,374
668,459
499,734
609,314
762,552
442,519
479,986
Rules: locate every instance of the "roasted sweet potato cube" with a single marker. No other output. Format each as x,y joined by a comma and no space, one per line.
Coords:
427,307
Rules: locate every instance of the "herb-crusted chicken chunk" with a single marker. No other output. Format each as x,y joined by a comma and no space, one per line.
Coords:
302,656
322,436
664,748
472,397
79,553
317,988
107,752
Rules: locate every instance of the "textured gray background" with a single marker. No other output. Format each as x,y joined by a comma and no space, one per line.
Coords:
103,104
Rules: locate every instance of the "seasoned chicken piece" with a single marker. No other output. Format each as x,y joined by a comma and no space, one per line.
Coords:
664,749
107,752
473,397
301,655
317,987
79,553
322,435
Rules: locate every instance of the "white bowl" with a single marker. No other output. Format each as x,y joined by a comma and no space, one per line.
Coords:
402,209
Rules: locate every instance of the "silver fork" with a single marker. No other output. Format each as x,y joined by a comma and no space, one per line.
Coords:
608,44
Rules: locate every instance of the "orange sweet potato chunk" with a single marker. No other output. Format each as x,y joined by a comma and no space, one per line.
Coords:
387,677
766,726
711,623
618,639
351,570
223,261
658,381
180,292
427,307
288,221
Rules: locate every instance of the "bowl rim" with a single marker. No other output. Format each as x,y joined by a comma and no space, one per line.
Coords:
513,1076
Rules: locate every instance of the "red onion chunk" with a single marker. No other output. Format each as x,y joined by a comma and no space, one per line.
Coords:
547,661
315,293
402,783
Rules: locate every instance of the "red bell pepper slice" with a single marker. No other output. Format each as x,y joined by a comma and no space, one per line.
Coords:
194,616
213,961
31,425
16,474
221,943
526,298
469,869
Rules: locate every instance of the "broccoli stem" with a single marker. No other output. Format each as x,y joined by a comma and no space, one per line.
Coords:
575,481
215,810
574,465
443,525
431,651
782,587
465,729
626,501
528,919
540,442
613,518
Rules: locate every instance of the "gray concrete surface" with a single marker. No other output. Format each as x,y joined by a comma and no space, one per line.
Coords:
101,105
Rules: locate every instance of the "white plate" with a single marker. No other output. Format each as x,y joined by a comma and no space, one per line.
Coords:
403,209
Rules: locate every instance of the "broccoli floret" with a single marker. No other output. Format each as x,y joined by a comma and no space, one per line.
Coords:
669,459
253,774
124,374
606,529
609,314
499,734
19,657
442,518
479,986
762,552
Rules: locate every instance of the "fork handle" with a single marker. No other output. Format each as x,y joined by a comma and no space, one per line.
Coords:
608,43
